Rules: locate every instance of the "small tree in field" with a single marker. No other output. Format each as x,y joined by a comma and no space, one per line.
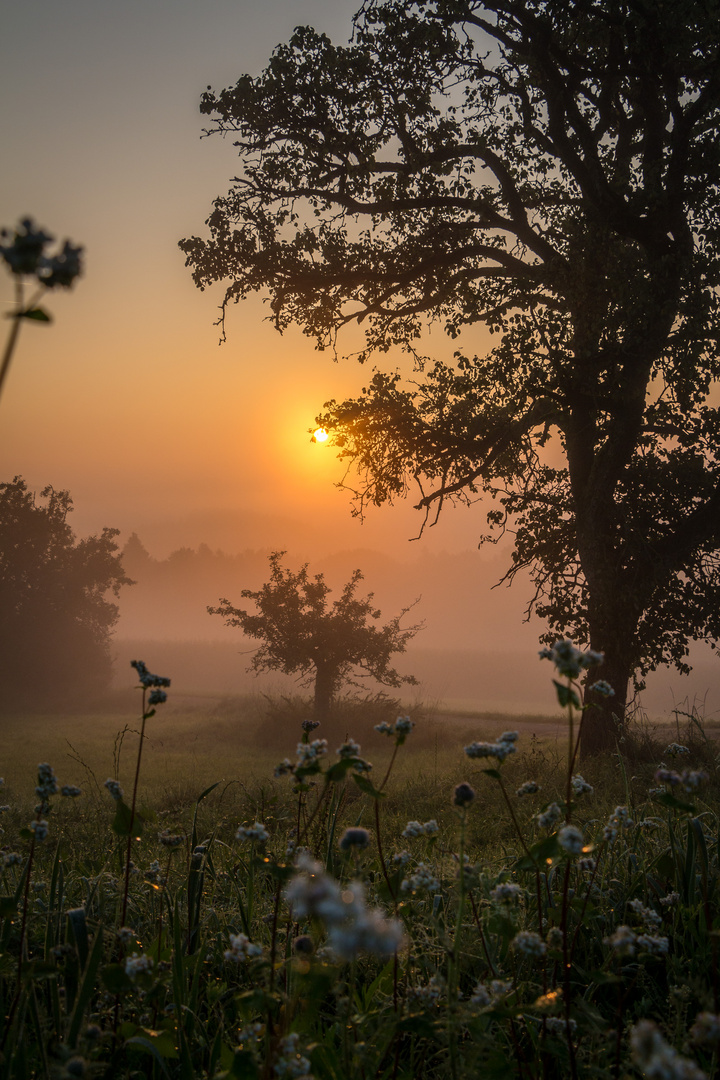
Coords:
302,633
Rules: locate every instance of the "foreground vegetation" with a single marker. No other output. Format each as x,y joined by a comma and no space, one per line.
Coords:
315,923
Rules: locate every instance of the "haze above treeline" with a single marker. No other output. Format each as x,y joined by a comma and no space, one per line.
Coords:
477,651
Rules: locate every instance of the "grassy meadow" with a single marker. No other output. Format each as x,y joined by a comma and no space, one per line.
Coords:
265,905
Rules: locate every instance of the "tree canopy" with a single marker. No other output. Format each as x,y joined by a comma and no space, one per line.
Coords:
56,619
326,644
548,170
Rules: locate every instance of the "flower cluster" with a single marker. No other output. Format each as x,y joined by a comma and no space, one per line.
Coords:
569,661
136,965
549,816
484,995
354,837
655,1057
242,948
500,749
351,926
413,829
619,819
24,253
689,779
529,943
505,892
290,1062
422,880
580,786
148,680
530,787
116,792
571,839
399,730
256,832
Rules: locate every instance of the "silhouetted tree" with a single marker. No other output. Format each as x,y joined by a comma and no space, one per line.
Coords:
549,169
55,617
323,643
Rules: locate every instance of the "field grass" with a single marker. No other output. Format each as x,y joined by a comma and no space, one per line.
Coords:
157,942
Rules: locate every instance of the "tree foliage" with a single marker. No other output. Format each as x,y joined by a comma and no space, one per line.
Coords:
550,171
56,619
326,644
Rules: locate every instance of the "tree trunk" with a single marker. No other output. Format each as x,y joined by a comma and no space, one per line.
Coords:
604,717
325,687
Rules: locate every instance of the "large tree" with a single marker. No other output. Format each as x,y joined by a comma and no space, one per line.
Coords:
325,644
56,618
548,170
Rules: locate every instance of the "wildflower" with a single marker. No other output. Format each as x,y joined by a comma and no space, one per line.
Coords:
428,995
671,900
24,252
706,1029
554,938
250,1033
691,779
423,880
570,661
463,795
587,864
349,749
549,817
413,829
498,750
114,789
648,915
528,788
619,819
136,964
157,697
354,837
651,943
290,1063
310,752
656,1058
622,941
556,1025
241,948
571,839
171,840
529,943
505,892
70,791
284,768
580,786
146,678
310,725
401,858
47,782
304,945
604,689
674,749
125,935
404,725
12,858
4,809
257,833
153,874
481,996
41,829
667,776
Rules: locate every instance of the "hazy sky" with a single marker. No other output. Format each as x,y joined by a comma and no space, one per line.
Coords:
127,400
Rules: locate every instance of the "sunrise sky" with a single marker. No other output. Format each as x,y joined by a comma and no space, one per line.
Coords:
127,400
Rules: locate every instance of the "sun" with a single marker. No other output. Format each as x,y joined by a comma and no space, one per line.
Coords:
320,435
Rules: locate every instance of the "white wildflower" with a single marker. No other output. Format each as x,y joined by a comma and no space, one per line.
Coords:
422,880
571,839
136,964
241,948
529,943
549,817
256,832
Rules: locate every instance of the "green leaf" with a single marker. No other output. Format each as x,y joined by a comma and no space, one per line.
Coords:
122,819
666,799
494,773
8,907
115,979
36,314
161,1041
566,695
539,853
338,771
365,786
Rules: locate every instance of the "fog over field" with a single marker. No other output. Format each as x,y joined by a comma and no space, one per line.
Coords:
476,652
